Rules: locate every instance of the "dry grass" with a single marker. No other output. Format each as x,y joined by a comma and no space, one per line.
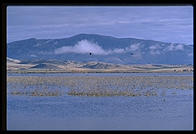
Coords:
96,85
36,93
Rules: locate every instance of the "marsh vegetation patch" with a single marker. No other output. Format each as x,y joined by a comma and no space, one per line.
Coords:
97,85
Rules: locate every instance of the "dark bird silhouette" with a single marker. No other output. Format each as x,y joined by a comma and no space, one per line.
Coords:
131,53
90,53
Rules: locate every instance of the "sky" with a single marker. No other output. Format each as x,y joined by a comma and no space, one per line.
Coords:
173,24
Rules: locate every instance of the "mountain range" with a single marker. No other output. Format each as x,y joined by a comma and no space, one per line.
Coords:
99,48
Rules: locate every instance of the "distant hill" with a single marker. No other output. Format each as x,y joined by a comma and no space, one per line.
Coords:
100,48
45,66
84,67
10,60
96,65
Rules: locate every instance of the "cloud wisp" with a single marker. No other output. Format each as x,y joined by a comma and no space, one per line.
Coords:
85,47
173,47
82,47
157,49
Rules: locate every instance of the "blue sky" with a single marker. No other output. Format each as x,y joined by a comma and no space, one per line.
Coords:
162,23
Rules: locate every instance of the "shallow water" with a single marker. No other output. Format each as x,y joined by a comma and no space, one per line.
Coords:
100,74
173,111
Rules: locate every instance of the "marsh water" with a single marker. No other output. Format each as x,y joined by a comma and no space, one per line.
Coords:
171,111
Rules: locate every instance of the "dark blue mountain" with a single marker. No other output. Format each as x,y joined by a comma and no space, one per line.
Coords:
93,47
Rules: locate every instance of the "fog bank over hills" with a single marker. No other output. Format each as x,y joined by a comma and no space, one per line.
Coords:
100,48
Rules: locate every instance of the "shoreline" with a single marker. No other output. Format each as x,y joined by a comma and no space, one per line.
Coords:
95,71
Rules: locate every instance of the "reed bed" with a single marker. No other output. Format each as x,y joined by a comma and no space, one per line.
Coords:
110,93
96,85
36,93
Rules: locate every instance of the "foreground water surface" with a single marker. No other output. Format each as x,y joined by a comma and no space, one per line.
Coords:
171,111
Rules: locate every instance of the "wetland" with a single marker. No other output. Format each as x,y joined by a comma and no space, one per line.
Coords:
100,101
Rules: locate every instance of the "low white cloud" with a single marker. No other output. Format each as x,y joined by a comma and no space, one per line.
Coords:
154,47
118,50
179,47
173,47
85,46
82,47
133,47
